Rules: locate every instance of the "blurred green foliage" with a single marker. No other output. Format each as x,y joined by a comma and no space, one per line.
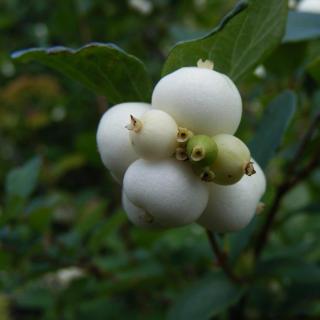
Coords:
67,250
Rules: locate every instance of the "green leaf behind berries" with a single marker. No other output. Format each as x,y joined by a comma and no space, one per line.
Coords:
206,298
243,38
104,68
272,127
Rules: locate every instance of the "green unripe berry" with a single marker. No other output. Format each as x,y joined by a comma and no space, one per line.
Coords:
202,150
233,160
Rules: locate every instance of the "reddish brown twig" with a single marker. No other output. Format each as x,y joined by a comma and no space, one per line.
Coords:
293,178
222,260
304,142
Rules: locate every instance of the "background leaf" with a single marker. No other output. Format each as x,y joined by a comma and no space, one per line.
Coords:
22,181
269,135
205,299
272,127
239,240
104,68
302,26
293,268
314,69
311,208
242,39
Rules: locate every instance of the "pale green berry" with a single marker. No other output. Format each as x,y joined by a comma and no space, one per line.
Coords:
233,160
202,150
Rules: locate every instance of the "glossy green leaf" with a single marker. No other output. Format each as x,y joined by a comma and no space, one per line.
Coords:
104,68
272,127
21,182
302,26
206,299
244,37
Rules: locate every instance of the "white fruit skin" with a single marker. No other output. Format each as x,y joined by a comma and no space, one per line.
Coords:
167,189
233,155
202,100
312,6
113,141
231,208
157,138
137,215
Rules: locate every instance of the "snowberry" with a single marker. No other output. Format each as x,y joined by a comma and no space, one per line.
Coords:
233,160
202,150
200,99
231,208
138,216
154,135
312,6
113,139
167,190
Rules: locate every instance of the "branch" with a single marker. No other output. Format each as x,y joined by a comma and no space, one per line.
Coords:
291,181
221,257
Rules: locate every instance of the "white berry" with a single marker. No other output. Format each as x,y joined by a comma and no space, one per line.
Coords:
154,135
113,139
138,216
231,208
200,99
312,6
167,190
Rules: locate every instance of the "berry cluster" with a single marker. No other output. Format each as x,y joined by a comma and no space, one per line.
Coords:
178,159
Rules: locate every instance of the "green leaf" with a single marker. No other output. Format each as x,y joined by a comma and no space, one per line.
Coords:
90,218
104,68
312,208
33,296
105,230
313,69
278,63
302,26
301,296
263,147
100,308
296,269
239,240
243,38
21,182
272,127
206,299
40,218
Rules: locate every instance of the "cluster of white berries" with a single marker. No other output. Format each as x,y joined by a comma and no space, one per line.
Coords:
177,158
